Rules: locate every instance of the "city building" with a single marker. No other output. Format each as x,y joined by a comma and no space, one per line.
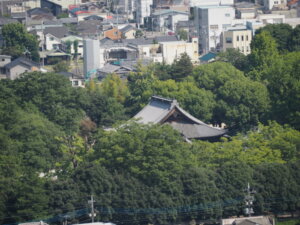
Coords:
199,3
210,21
271,4
143,9
237,37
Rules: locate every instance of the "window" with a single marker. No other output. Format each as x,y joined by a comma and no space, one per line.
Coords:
247,38
242,48
214,27
242,37
75,83
227,14
2,60
247,48
228,40
238,38
51,38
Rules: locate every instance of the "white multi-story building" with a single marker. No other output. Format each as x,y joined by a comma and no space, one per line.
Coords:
143,9
237,37
210,21
198,3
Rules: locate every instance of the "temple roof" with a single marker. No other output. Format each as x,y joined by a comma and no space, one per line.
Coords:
159,110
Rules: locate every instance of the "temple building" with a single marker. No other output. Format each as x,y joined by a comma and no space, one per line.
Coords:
162,110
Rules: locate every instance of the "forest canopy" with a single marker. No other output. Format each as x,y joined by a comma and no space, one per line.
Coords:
56,150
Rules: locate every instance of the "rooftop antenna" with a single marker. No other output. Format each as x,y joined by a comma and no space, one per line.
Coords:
249,199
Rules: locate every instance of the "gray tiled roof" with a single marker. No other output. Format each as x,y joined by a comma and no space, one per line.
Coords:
58,32
126,28
23,61
158,110
4,21
68,20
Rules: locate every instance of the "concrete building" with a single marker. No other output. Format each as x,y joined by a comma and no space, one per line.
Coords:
66,3
143,9
91,56
270,4
198,3
173,50
237,37
210,21
167,19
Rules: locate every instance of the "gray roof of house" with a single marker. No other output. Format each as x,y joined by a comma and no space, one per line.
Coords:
58,32
89,26
38,11
20,15
68,20
93,17
126,28
4,21
52,22
159,109
21,61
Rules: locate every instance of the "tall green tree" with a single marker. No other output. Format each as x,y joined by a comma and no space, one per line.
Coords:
264,55
182,67
18,41
281,34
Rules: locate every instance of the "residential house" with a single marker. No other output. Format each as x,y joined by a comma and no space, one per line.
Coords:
167,111
94,17
121,70
4,21
238,37
113,33
4,60
38,13
53,36
208,58
89,28
19,66
71,39
128,32
76,80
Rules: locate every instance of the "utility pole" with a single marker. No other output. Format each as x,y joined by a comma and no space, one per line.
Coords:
93,214
249,199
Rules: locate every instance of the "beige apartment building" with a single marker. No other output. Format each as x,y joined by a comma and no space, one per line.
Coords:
238,38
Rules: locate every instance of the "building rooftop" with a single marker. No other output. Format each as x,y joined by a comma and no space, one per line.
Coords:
163,110
58,32
23,61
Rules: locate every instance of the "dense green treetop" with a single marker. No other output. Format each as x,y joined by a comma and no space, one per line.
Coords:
17,41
